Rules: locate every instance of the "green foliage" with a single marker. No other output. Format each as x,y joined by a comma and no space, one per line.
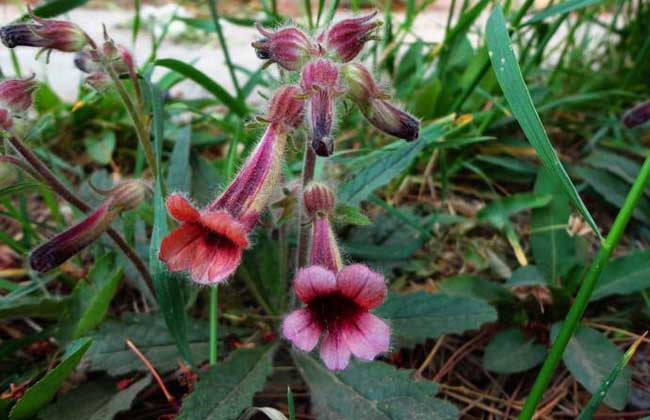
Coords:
590,357
41,307
94,400
624,275
510,351
371,390
224,391
39,394
415,317
475,288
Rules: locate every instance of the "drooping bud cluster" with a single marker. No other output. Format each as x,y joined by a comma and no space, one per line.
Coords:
15,99
125,196
323,81
46,34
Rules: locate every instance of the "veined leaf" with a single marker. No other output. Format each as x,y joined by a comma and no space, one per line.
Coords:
624,275
374,390
475,288
417,316
206,82
498,211
510,352
508,74
224,391
39,394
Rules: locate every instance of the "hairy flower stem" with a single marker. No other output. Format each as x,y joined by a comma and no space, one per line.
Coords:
584,293
57,186
308,166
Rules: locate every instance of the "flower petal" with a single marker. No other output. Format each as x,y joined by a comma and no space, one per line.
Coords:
301,329
366,336
334,351
178,248
364,286
181,209
314,281
223,223
214,261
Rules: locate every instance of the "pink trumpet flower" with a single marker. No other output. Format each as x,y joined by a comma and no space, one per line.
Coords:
209,242
347,37
337,299
363,91
47,34
289,47
319,82
125,196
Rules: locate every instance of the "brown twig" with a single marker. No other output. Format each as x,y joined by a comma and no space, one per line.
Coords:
153,371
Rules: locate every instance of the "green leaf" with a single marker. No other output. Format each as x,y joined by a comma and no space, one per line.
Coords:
28,306
560,9
385,164
57,7
528,275
595,400
624,275
614,190
39,394
554,250
475,287
499,211
589,356
101,151
350,215
510,352
206,82
90,299
110,353
95,400
169,286
18,188
417,316
374,390
179,175
508,74
224,391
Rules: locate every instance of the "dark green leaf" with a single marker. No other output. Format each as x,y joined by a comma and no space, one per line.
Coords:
350,215
475,288
206,82
95,400
589,356
508,74
528,275
510,352
553,249
561,8
57,7
375,390
39,394
224,391
498,211
27,306
417,316
179,175
624,275
101,150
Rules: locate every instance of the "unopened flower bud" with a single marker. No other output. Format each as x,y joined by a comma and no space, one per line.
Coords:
318,200
286,107
319,81
637,115
347,37
125,196
5,119
16,94
44,33
289,47
98,81
87,61
362,90
119,57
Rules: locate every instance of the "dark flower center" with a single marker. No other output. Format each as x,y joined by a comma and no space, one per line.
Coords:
332,309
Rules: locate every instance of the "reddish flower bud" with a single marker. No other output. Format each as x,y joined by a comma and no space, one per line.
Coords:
286,107
5,119
319,81
347,37
362,90
118,56
44,33
289,47
98,80
318,200
16,94
637,115
125,196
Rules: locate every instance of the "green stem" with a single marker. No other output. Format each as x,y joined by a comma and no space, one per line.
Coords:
217,27
214,323
584,293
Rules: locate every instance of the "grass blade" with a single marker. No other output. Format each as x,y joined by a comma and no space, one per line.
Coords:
560,9
57,7
508,74
206,82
